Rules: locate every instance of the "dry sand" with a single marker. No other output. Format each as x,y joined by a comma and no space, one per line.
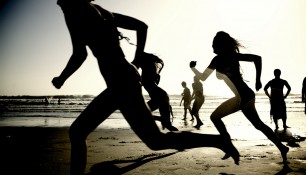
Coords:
46,150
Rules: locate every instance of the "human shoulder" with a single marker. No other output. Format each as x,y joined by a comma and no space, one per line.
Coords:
214,61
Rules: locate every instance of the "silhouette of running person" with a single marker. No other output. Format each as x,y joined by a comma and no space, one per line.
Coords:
151,66
277,98
96,28
186,99
198,97
227,67
304,93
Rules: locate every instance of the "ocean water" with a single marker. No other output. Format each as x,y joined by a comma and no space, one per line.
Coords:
61,111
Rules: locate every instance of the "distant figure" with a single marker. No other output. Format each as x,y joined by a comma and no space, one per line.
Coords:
304,93
198,97
186,99
227,67
46,101
96,28
277,98
59,101
151,66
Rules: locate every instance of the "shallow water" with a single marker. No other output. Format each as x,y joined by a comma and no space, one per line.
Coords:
34,111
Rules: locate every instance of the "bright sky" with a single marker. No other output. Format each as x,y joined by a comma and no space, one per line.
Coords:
35,44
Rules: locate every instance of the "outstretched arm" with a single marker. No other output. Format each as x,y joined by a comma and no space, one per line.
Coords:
127,22
258,66
203,76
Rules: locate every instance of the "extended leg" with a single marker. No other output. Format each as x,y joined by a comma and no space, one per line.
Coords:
95,113
141,121
226,108
250,112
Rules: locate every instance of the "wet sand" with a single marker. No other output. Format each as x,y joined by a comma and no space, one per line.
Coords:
46,150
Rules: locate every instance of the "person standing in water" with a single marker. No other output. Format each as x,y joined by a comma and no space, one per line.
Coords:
92,26
198,97
277,98
186,99
227,67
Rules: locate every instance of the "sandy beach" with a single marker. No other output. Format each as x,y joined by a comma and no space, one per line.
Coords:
46,150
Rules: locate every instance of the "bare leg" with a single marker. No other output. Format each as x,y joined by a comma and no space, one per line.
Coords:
185,113
275,122
95,113
250,112
195,111
226,108
285,122
190,112
160,100
142,123
199,122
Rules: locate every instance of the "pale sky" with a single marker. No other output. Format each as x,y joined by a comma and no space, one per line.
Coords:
35,44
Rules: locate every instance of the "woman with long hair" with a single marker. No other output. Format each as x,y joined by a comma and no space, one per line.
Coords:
94,27
151,66
227,67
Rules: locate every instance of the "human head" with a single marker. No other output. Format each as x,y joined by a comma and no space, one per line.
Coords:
223,43
71,2
277,73
184,84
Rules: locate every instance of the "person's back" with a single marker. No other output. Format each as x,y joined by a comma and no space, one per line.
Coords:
151,66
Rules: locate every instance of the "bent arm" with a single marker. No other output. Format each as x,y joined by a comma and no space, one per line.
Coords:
266,89
76,60
130,23
288,88
258,66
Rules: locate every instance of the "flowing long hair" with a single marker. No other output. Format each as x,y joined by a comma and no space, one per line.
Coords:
223,43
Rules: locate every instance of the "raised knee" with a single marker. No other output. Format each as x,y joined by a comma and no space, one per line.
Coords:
213,118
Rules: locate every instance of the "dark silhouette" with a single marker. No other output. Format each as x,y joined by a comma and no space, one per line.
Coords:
227,67
198,97
96,28
46,100
151,66
277,98
186,99
109,167
304,93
